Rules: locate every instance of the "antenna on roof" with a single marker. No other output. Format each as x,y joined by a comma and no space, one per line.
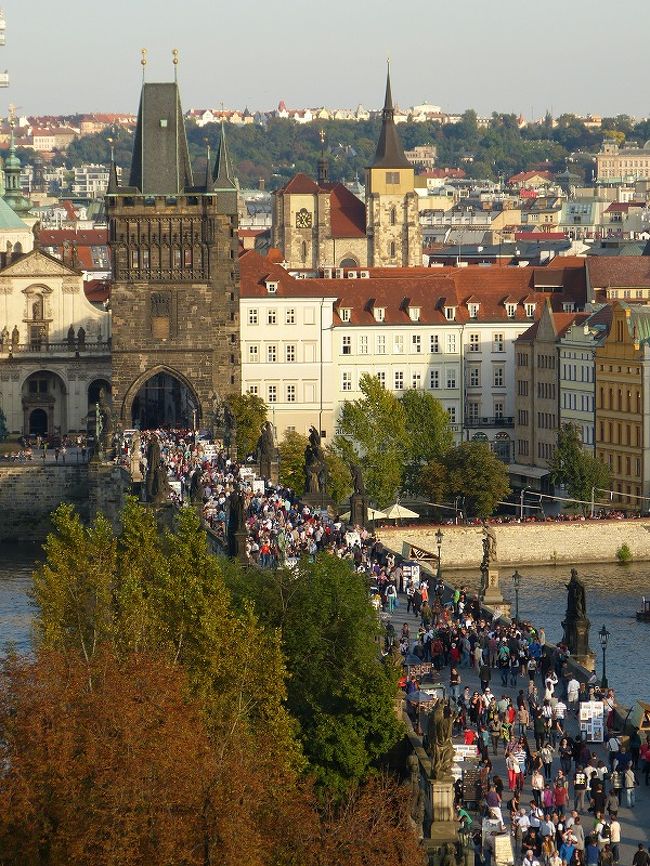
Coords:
175,62
143,61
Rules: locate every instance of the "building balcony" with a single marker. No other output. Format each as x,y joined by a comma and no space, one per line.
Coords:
474,423
51,350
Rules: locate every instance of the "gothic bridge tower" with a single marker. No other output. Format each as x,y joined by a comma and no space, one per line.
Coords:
175,295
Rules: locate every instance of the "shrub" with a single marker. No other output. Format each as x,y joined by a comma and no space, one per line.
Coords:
624,554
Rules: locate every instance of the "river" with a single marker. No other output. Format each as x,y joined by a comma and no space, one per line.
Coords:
613,595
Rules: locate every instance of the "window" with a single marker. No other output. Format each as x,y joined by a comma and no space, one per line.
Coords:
498,410
363,345
511,310
522,388
253,354
522,447
135,258
522,417
346,345
253,389
290,353
271,317
472,309
530,310
434,379
344,313
381,376
451,411
272,394
414,314
392,249
435,344
474,377
451,344
291,393
271,354
399,380
290,316
253,317
346,381
398,344
392,177
160,315
380,314
417,343
450,313
381,344
451,378
416,380
475,342
393,214
498,343
473,412
498,376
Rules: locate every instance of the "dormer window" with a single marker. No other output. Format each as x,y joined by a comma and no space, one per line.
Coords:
414,314
379,313
530,310
472,309
345,313
450,313
511,310
271,286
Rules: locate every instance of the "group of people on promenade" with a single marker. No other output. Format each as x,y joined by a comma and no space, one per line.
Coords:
558,797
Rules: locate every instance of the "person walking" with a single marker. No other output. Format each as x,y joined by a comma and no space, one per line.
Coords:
630,784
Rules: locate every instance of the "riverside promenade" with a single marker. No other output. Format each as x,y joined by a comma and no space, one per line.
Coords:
635,823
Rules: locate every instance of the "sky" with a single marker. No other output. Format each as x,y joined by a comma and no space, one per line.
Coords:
517,56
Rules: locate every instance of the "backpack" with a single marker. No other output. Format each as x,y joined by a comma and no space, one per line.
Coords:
605,831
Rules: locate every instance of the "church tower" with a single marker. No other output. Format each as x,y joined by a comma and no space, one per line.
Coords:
175,295
392,217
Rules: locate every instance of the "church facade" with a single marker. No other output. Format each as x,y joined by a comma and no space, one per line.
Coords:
175,294
321,225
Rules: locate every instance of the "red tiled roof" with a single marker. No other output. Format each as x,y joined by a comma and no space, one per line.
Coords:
523,176
347,214
54,237
250,233
97,291
540,236
428,288
619,271
300,184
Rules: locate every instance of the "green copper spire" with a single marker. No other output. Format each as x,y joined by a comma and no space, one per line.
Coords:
13,194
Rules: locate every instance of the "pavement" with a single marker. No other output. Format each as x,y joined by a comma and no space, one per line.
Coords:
635,823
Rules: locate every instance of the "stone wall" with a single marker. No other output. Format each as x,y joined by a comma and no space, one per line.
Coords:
529,544
108,487
29,493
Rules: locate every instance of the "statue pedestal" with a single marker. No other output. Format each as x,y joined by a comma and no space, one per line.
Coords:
359,510
444,826
490,592
265,469
576,637
237,545
317,501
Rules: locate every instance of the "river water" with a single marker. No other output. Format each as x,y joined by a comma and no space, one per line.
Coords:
613,595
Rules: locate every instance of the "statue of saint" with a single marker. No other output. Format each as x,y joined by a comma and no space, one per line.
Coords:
315,466
156,480
15,336
576,605
489,547
359,488
440,745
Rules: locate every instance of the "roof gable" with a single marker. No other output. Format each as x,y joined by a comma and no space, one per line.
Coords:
38,264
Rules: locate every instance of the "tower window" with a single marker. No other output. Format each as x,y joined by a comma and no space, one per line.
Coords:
393,216
392,177
160,315
392,249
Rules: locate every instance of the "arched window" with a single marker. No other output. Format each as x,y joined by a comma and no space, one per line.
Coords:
393,216
392,249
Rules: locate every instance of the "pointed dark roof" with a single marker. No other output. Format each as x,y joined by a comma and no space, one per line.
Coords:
112,187
390,152
223,174
161,161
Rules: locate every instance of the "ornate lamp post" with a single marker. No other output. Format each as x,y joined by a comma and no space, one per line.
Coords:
439,536
516,580
603,636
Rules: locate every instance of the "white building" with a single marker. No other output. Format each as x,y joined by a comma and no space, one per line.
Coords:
90,180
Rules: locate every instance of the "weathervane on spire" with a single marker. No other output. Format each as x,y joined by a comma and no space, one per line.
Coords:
143,60
175,62
12,115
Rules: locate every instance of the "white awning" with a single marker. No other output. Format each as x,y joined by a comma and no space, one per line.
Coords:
528,471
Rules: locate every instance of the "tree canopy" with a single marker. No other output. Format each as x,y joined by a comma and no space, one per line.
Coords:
250,413
577,470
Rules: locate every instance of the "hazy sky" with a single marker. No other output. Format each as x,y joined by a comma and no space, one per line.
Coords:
503,55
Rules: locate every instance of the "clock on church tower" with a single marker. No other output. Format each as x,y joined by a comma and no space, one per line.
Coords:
303,219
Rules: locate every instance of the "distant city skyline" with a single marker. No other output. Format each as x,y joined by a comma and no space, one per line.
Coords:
582,57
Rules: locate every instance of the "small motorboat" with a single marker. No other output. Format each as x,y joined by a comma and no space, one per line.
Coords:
644,614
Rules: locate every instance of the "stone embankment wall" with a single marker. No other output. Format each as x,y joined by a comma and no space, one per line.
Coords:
528,543
29,493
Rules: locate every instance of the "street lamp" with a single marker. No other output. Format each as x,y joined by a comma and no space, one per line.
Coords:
439,536
603,636
521,503
516,579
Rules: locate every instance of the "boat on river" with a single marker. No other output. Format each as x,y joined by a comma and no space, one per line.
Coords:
644,614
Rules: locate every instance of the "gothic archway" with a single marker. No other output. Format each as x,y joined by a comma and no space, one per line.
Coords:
163,399
38,423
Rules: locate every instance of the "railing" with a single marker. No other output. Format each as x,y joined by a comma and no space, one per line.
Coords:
472,422
72,349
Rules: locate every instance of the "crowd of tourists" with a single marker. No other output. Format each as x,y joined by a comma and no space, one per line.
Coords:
558,798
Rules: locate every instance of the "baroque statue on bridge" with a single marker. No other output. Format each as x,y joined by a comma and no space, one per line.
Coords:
315,466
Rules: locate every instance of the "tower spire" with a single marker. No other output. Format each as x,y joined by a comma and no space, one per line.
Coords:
322,162
111,189
223,174
390,152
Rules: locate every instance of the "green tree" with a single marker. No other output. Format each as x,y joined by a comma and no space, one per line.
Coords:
338,690
470,472
291,452
249,412
339,479
428,435
373,431
575,469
